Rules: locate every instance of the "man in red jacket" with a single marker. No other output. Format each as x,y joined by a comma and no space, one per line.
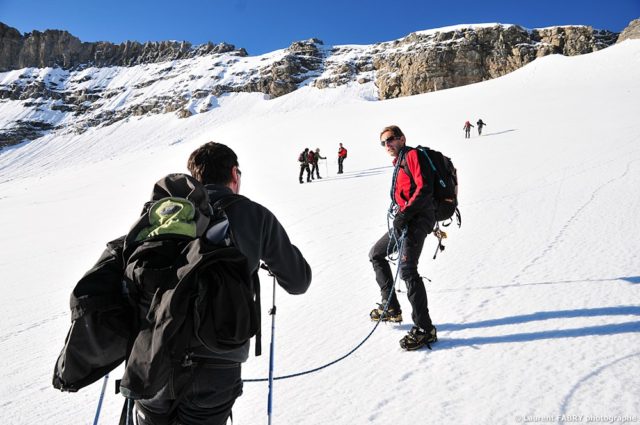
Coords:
342,155
412,201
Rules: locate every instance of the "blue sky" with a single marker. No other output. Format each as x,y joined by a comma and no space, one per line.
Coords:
262,26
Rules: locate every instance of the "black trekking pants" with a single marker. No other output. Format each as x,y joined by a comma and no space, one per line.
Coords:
304,167
340,161
416,292
209,395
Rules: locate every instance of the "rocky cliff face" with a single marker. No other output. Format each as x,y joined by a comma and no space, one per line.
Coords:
632,31
428,61
54,48
76,85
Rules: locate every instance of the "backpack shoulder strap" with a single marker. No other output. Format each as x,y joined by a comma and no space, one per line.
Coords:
425,151
422,151
223,203
402,160
401,163
219,230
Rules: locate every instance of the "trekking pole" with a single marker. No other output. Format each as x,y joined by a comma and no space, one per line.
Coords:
129,412
272,313
326,167
104,387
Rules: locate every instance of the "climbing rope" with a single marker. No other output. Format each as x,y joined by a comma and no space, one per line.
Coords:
386,305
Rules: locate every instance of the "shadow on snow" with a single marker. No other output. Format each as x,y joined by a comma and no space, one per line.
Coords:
631,279
609,329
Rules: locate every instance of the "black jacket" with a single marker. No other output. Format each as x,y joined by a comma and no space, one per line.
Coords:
259,236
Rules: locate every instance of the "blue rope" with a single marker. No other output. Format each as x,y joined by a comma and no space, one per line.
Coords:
306,372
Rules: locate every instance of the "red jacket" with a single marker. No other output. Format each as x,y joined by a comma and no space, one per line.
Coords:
412,194
342,153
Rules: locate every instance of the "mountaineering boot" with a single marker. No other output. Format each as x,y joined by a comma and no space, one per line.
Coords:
418,337
391,315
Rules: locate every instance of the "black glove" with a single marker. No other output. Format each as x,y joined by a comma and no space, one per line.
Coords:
400,223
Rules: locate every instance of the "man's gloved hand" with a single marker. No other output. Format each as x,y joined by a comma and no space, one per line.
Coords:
399,223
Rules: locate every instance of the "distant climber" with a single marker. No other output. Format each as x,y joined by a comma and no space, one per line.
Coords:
342,155
467,129
480,124
303,159
314,164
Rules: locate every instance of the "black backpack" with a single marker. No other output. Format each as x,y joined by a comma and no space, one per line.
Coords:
179,258
440,173
180,252
102,324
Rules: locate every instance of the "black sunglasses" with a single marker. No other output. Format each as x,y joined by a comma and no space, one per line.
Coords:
388,140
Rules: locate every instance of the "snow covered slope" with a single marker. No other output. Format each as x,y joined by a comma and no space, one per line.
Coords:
535,297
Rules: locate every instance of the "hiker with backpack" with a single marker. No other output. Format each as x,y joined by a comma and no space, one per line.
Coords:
314,164
467,129
342,155
303,159
178,297
257,234
311,159
480,124
412,202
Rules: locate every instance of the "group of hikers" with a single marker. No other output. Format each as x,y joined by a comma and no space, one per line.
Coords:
201,387
467,128
309,158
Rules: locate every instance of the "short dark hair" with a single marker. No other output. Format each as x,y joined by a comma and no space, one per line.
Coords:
212,163
394,129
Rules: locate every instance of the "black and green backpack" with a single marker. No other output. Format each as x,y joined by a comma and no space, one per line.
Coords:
176,279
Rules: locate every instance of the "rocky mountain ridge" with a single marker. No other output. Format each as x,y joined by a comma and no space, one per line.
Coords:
73,86
60,49
632,31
